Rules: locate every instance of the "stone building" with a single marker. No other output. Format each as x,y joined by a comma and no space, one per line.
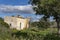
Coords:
17,22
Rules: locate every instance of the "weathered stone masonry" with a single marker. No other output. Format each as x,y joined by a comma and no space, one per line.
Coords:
17,22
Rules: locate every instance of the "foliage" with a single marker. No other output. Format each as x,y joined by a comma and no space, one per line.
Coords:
32,33
5,32
48,8
52,36
2,23
42,24
1,19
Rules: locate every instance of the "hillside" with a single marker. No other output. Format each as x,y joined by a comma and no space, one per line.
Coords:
33,33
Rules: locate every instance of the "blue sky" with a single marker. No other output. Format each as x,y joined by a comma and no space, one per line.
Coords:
14,2
13,7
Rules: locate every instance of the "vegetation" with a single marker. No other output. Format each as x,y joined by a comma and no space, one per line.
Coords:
2,23
39,30
52,36
48,8
42,24
5,32
33,33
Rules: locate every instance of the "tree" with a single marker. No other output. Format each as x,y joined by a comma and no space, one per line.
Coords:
48,8
41,24
1,19
3,23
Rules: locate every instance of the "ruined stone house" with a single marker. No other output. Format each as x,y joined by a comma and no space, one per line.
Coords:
17,22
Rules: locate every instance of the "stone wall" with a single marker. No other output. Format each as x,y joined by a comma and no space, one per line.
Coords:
18,23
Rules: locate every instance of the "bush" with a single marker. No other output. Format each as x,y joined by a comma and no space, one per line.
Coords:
52,36
2,23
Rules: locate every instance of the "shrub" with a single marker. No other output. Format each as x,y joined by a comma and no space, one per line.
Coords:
52,36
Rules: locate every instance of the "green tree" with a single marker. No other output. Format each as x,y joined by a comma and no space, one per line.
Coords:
48,8
41,24
1,19
3,23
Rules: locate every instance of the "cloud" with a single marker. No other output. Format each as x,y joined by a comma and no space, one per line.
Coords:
16,9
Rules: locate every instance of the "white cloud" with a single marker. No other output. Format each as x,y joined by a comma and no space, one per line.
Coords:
16,9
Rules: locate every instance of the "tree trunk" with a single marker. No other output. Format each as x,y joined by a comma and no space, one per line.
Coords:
58,26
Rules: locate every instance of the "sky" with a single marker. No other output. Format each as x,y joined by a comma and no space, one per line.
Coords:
14,2
17,7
